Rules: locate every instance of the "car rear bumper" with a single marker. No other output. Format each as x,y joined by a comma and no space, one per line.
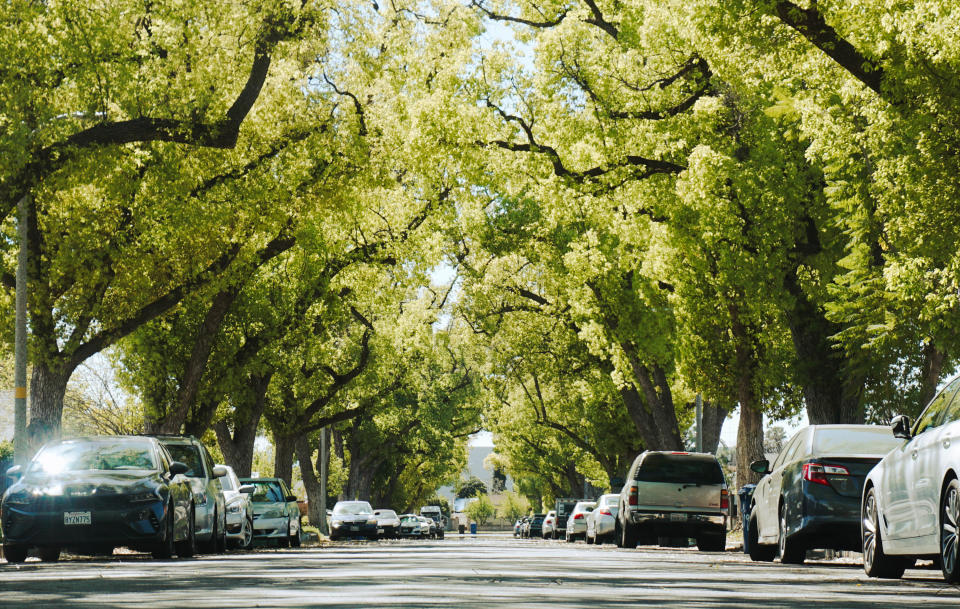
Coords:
605,526
829,523
679,524
134,525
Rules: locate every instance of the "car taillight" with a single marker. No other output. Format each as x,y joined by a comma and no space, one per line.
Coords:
818,472
578,516
724,499
606,512
632,499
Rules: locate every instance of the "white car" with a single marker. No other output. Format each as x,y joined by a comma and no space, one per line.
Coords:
550,525
388,523
577,522
602,521
239,509
910,506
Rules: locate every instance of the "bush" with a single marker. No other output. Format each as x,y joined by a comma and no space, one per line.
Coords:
514,506
481,510
6,450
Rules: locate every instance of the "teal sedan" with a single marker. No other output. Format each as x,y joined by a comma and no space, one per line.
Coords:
276,515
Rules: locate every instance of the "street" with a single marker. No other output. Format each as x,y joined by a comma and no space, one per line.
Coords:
482,571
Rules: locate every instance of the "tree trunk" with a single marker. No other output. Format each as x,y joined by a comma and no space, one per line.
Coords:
750,431
641,417
933,360
310,481
48,385
237,448
713,419
360,480
655,389
283,458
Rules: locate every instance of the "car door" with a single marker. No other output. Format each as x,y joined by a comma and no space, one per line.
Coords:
767,493
920,471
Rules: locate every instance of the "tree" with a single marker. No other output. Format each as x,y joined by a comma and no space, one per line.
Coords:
471,487
481,510
514,506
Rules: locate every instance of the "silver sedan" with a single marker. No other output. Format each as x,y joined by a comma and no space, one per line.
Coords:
602,521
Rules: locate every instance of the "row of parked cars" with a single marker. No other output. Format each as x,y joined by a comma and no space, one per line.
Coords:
352,519
160,494
592,521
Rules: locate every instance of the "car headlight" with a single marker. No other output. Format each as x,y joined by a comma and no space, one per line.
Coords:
142,497
20,498
234,508
372,521
336,523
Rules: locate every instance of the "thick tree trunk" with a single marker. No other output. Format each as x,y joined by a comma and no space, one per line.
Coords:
48,385
311,483
713,419
360,480
574,479
653,385
283,458
933,360
750,431
237,447
831,391
641,417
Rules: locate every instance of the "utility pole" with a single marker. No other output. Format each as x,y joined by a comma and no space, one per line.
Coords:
323,482
20,341
699,403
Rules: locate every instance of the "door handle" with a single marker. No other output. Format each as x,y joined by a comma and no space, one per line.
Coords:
946,443
913,454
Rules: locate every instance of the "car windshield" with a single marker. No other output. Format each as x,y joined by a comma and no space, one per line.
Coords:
108,455
409,519
352,508
386,514
585,507
266,492
679,469
189,455
609,500
852,441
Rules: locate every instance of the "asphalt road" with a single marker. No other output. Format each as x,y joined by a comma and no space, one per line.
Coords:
485,571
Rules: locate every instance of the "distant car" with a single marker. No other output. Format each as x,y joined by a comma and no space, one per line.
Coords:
412,526
94,494
911,500
209,502
388,523
674,494
430,526
535,528
517,526
353,519
549,527
276,515
436,514
602,521
810,497
239,509
577,521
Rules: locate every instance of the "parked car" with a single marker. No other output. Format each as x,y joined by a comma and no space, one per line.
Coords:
810,496
353,519
276,515
535,528
239,509
577,521
601,522
412,526
517,526
436,514
429,526
673,494
209,502
563,507
911,500
550,524
93,494
388,523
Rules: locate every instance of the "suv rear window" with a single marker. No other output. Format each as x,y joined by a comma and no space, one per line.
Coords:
679,469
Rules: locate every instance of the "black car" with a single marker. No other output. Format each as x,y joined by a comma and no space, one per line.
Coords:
536,526
94,494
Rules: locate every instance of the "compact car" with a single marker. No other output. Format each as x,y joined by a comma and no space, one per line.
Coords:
239,509
276,515
353,519
601,522
577,521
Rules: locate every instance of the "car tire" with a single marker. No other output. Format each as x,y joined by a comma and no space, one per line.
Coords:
792,551
221,539
628,536
876,563
188,547
950,533
49,554
712,542
295,539
14,553
589,540
246,541
758,552
166,547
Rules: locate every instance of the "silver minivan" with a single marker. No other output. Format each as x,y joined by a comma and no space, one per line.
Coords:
673,494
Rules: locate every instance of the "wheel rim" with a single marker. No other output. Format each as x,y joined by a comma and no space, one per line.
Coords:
247,533
948,535
783,533
870,530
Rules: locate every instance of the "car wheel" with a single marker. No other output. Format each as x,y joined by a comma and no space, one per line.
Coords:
49,554
188,547
221,543
875,562
712,542
588,539
246,541
792,551
628,536
295,539
949,531
166,548
758,552
14,552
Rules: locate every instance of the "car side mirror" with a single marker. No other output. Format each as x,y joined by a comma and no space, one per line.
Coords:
177,468
291,498
247,489
219,471
761,467
15,472
901,427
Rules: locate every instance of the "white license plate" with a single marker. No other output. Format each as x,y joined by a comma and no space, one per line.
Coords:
679,517
76,518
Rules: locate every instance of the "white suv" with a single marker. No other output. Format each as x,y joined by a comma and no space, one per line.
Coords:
674,494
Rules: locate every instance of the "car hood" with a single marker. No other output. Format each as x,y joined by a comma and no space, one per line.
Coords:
85,483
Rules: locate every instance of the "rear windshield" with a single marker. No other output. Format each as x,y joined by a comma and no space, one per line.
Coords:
266,492
868,441
679,469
